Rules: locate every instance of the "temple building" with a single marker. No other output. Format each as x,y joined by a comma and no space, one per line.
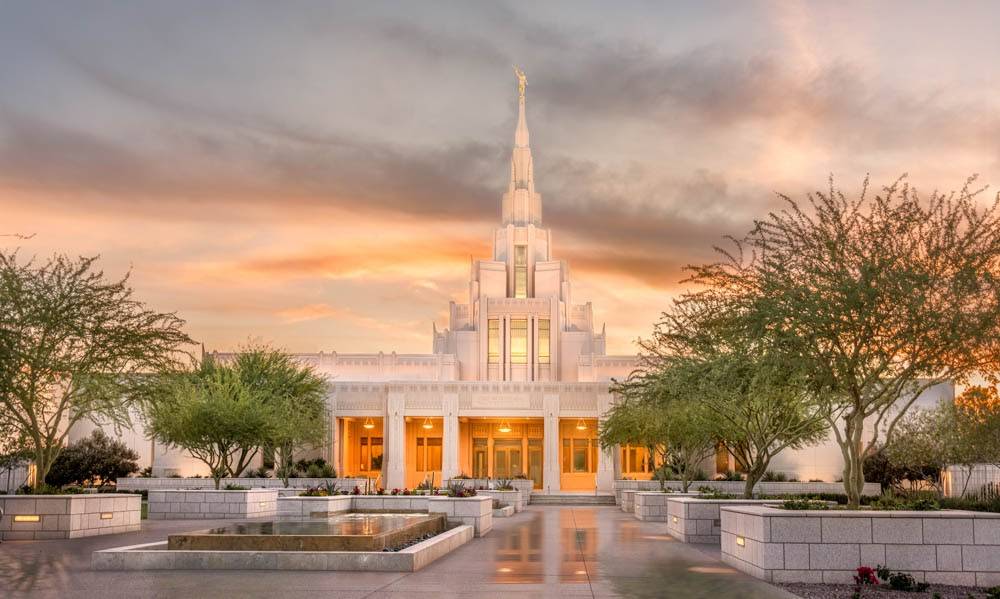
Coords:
514,387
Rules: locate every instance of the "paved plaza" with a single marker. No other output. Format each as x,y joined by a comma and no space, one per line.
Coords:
550,551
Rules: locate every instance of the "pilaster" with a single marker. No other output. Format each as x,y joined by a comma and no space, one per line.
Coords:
550,410
450,442
394,463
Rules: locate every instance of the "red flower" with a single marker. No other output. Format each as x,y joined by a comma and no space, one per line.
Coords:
866,575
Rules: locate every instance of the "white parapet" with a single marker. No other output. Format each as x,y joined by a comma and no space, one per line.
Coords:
68,516
827,546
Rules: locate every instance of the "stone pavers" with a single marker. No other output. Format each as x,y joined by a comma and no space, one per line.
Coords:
564,552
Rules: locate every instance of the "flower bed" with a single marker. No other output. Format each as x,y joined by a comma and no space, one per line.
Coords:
136,483
827,546
28,517
737,487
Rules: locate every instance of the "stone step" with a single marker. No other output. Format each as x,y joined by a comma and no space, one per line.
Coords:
571,499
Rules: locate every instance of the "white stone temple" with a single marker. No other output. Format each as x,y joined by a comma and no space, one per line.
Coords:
515,386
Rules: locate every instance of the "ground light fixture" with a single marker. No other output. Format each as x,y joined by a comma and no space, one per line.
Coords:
504,427
581,425
369,424
427,424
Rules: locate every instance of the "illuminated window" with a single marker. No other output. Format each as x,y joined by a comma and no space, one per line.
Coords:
520,271
479,460
579,455
636,460
519,341
371,453
428,454
544,354
493,351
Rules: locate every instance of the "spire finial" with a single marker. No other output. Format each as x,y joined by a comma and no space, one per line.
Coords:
522,81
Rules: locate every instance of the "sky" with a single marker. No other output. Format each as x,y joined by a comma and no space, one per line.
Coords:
316,175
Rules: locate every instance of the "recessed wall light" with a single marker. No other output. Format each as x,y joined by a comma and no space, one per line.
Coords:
673,519
107,515
741,542
27,518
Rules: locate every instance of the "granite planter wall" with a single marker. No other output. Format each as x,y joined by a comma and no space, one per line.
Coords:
390,503
736,487
525,487
147,484
651,506
68,516
511,498
476,511
306,507
943,547
697,520
627,500
185,504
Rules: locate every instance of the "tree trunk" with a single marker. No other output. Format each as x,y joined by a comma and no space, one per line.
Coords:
854,476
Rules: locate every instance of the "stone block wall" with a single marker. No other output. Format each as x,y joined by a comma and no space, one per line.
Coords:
147,484
943,547
68,516
185,504
476,511
512,498
696,520
305,507
651,506
627,501
736,487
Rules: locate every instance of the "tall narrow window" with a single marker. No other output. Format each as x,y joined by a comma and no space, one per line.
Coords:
493,341
520,271
519,341
544,355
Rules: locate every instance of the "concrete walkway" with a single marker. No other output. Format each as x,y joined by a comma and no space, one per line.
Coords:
551,551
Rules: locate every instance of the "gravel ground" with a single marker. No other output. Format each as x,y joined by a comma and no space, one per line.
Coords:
846,591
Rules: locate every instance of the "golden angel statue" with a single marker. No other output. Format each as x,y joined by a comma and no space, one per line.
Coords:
522,80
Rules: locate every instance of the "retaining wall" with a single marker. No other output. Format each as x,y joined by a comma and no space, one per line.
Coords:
189,504
27,517
942,547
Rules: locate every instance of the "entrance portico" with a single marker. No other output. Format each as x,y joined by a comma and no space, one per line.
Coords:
543,432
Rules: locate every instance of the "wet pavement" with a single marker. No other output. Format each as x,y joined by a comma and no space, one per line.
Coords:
551,551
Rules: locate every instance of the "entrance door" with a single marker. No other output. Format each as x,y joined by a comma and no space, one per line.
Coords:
535,461
506,458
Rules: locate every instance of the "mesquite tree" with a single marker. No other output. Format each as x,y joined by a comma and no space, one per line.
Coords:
880,297
759,401
294,393
661,409
74,345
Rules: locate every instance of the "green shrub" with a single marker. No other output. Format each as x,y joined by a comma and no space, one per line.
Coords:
804,504
96,459
775,477
232,487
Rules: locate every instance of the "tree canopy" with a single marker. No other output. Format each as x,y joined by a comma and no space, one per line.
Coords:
74,345
877,298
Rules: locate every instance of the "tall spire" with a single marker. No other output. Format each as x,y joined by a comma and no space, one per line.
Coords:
521,204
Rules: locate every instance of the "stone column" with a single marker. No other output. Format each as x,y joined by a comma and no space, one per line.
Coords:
506,347
450,463
395,441
605,458
551,469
